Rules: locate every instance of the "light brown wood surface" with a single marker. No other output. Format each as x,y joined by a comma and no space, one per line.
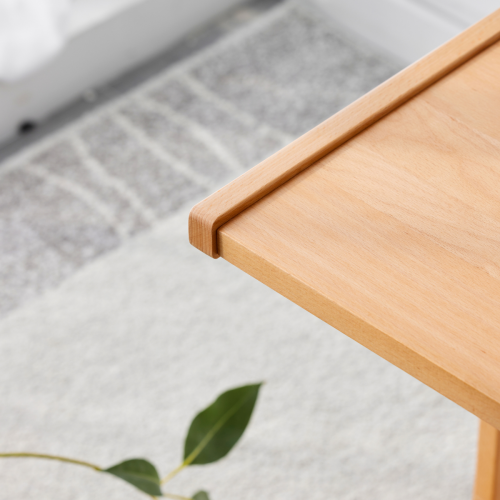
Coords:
211,213
394,237
487,485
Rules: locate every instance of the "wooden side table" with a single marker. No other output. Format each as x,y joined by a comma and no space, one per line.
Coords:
384,221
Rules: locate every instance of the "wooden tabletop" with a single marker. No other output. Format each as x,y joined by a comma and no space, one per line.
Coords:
392,236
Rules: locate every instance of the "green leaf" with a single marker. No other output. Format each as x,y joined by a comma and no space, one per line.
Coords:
140,473
215,430
201,495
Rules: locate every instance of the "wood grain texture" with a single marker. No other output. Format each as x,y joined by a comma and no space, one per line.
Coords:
207,216
394,237
487,484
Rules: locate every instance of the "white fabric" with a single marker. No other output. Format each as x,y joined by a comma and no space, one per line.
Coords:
31,32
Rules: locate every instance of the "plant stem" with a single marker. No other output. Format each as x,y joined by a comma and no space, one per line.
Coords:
51,457
175,497
92,466
176,471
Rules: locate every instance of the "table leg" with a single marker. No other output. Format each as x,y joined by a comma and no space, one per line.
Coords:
487,485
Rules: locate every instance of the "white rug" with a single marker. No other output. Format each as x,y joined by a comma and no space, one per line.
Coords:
117,360
115,331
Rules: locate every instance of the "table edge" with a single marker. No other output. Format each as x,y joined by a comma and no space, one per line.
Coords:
211,213
466,394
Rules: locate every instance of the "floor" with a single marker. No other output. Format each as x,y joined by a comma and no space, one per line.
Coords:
114,331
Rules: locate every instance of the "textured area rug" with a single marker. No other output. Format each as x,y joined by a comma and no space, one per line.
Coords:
120,170
115,332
